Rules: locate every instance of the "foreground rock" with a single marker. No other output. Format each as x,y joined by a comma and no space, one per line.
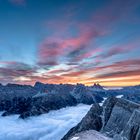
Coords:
132,128
91,121
89,135
120,115
117,118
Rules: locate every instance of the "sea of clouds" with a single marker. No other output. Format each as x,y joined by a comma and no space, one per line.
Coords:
51,126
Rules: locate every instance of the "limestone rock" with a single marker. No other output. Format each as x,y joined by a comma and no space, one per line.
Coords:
91,121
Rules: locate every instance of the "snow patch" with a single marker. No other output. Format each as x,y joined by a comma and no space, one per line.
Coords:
119,96
75,138
101,104
91,135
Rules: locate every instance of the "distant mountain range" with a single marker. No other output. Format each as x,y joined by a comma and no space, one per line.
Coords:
41,98
34,100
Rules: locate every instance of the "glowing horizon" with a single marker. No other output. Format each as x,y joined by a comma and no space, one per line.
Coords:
70,41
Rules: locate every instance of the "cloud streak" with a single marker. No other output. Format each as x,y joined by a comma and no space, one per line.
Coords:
79,43
51,50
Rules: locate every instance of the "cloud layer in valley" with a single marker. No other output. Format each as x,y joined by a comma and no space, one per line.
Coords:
51,126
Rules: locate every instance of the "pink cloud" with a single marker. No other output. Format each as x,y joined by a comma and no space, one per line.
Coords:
99,24
8,62
53,48
119,49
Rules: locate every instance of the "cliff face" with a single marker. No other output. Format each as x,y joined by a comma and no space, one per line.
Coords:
117,118
120,115
91,121
131,130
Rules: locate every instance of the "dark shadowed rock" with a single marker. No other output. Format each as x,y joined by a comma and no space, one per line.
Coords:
13,96
91,121
43,104
107,108
18,106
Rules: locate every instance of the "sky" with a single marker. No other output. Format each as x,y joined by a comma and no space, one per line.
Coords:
70,41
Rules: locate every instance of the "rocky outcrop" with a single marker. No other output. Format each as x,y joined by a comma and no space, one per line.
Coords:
91,121
121,113
107,109
132,128
118,118
97,86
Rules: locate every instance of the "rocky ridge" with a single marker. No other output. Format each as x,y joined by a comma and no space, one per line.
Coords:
117,119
